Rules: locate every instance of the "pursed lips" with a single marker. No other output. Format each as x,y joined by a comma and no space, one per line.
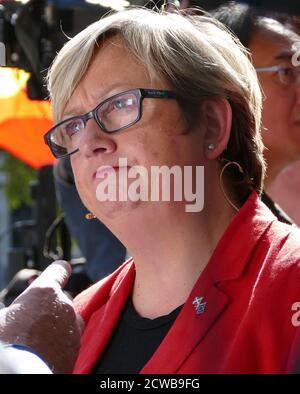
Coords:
105,171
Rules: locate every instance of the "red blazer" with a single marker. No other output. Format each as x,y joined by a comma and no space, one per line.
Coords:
249,285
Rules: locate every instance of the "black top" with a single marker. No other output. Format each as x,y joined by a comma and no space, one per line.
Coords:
276,209
133,342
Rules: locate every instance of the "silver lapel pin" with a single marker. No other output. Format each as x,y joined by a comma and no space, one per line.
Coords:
199,305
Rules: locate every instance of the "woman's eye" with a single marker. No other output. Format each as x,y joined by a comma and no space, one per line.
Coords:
288,74
73,128
123,103
287,71
119,106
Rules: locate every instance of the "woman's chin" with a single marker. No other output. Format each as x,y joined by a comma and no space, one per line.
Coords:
114,209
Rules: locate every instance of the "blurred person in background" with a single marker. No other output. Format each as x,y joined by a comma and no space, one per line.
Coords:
272,42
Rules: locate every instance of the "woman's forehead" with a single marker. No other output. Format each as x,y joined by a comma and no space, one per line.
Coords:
113,69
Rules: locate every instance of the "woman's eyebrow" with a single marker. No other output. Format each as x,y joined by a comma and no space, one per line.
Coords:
98,98
73,111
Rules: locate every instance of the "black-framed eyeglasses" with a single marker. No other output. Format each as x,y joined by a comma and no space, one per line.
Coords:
113,114
287,74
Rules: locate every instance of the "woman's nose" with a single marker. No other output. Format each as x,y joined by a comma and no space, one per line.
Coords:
93,140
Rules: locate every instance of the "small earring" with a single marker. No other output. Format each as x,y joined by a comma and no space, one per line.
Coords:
211,147
90,216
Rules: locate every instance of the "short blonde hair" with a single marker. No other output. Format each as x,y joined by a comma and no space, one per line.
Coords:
196,54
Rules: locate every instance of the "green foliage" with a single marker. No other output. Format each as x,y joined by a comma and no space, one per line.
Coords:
19,175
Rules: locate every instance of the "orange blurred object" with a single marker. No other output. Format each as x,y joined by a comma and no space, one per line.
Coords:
23,122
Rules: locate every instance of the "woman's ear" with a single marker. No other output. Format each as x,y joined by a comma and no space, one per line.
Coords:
217,117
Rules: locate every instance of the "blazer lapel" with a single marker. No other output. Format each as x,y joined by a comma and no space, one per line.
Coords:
189,329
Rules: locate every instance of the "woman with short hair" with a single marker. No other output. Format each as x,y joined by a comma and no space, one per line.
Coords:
206,289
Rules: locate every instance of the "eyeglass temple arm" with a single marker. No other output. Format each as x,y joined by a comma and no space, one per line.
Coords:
156,93
266,69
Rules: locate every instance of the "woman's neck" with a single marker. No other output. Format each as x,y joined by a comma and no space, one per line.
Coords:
171,248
